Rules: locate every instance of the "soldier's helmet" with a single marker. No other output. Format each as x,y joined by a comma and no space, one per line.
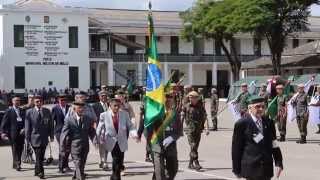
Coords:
193,94
187,87
280,86
213,90
244,85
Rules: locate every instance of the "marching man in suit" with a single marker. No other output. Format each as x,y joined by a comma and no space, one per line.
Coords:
59,112
12,128
38,128
100,107
254,144
78,127
113,127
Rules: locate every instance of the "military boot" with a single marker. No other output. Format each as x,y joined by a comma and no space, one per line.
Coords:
191,166
197,165
303,140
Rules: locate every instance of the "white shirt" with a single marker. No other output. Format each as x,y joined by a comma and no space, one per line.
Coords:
104,105
78,118
18,113
63,109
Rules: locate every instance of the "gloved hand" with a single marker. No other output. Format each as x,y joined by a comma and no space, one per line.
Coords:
167,141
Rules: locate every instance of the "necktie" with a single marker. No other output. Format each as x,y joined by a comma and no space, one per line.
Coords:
259,123
39,115
115,120
80,122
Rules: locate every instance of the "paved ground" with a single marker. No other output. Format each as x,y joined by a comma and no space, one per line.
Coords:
300,161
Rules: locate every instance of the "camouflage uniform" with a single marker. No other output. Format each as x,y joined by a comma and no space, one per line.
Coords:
214,110
265,96
165,159
195,117
281,118
301,105
242,99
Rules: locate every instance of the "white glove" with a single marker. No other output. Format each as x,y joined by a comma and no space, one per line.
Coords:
167,141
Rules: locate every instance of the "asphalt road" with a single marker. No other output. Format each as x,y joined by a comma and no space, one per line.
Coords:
301,162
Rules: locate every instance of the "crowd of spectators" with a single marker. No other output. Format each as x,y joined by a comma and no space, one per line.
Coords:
49,95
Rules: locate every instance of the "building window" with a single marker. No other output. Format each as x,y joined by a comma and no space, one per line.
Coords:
73,37
198,46
217,46
174,45
73,77
46,19
95,43
310,40
18,35
19,77
257,47
295,43
131,51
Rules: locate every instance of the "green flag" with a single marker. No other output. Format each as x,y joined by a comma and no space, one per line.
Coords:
272,109
130,87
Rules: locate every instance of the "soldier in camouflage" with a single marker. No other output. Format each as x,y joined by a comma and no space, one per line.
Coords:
300,102
242,99
195,117
214,108
281,118
264,94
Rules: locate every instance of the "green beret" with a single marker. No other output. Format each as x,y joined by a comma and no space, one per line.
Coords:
255,99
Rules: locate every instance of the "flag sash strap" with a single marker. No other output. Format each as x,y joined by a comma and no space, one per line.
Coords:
158,133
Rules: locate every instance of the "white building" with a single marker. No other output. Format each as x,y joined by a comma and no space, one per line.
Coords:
111,47
43,45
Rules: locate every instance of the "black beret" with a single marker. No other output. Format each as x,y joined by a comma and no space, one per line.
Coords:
78,103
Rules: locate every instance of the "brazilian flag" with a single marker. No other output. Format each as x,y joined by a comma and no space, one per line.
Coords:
155,98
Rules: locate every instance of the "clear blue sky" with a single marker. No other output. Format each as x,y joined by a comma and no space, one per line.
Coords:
138,4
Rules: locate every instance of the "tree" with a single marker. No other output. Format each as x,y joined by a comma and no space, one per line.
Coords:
211,19
274,20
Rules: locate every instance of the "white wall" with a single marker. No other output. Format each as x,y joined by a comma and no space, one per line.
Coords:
103,44
246,46
185,47
265,50
164,45
141,40
37,76
121,49
209,46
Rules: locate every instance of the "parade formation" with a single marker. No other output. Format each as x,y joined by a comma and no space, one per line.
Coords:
106,118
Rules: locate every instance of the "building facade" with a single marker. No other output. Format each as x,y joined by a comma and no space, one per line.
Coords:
111,48
43,45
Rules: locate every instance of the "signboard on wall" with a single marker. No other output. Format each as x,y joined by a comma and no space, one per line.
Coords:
46,44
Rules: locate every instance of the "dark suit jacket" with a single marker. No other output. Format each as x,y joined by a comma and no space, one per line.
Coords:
78,136
38,131
98,109
58,118
9,123
251,159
